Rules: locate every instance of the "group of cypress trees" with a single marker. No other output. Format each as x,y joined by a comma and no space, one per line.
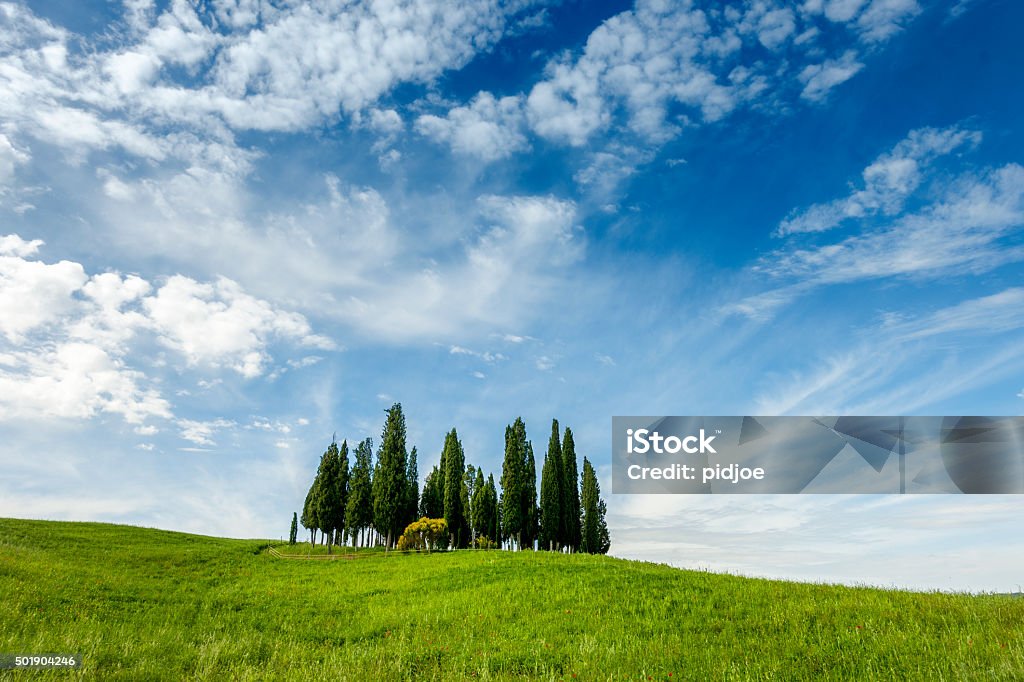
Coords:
459,493
373,503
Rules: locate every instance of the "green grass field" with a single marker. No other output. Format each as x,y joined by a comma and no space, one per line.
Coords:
148,604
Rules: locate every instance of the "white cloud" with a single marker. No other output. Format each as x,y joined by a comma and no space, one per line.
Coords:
819,79
219,323
962,230
642,60
515,260
75,380
887,182
639,67
842,10
880,371
13,245
307,361
993,314
884,18
264,424
10,158
488,128
772,25
202,432
33,293
65,336
486,356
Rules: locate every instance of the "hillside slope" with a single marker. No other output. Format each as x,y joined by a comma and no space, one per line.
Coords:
150,604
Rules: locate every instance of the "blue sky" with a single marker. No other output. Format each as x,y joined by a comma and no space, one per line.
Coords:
233,230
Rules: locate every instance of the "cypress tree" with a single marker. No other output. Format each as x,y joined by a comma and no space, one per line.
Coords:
530,511
412,490
478,509
571,510
591,499
604,540
294,532
493,512
432,500
454,495
389,478
552,523
317,510
359,510
327,500
468,488
343,485
308,515
513,479
442,467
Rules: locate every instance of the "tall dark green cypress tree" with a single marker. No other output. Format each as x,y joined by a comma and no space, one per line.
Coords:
412,490
309,514
328,499
494,513
443,468
389,478
530,510
591,498
318,510
468,486
294,531
604,540
344,475
454,497
432,500
513,480
478,510
552,524
359,510
571,510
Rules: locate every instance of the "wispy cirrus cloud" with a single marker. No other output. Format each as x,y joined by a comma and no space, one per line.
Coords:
967,222
875,372
886,183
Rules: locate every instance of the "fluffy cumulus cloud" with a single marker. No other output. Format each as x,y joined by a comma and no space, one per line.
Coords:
68,337
488,128
659,67
33,293
250,66
219,324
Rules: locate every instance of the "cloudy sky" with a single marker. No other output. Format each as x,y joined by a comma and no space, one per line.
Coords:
230,229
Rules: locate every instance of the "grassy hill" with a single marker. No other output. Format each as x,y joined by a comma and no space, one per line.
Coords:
150,604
